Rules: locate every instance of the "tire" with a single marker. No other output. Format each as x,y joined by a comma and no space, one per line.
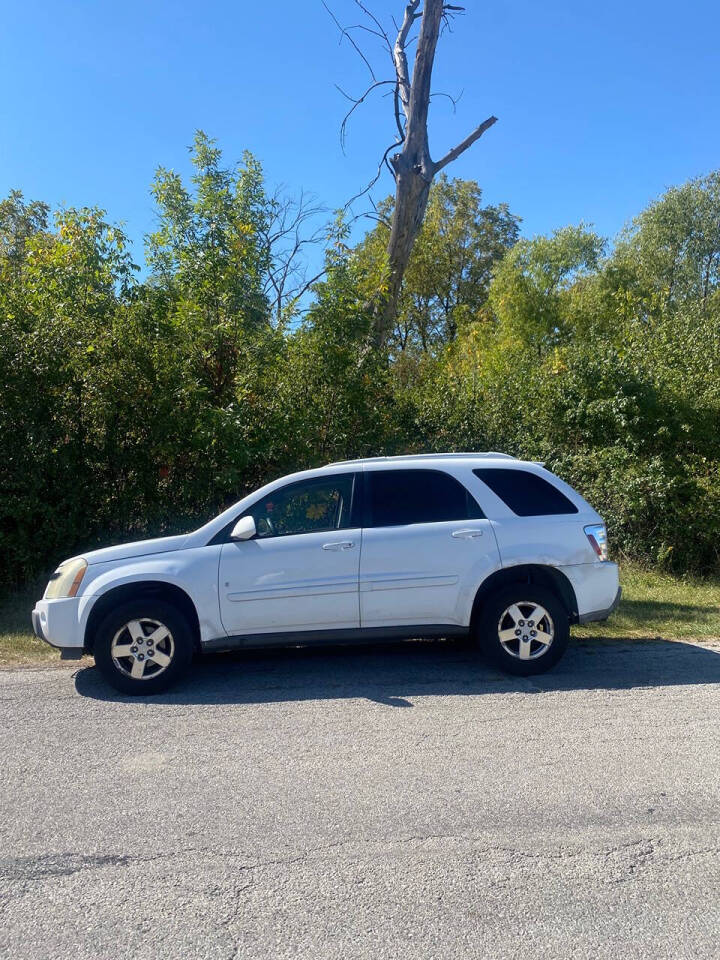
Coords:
500,632
121,646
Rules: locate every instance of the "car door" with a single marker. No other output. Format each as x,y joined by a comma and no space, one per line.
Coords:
300,572
426,548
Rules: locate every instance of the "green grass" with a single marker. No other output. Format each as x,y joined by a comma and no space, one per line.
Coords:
654,605
18,644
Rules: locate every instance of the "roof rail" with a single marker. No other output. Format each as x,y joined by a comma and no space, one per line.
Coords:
430,456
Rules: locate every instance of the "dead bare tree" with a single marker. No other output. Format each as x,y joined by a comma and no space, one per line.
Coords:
411,164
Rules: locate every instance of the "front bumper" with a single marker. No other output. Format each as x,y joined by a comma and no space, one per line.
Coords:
57,622
37,626
602,614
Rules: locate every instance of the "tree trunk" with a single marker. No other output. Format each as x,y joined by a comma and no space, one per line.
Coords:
411,197
413,167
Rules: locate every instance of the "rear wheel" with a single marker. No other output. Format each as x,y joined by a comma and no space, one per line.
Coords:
523,629
143,646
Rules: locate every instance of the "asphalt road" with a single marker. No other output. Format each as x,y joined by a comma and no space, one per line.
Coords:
400,802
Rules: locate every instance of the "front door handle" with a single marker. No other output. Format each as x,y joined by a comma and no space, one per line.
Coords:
339,545
466,534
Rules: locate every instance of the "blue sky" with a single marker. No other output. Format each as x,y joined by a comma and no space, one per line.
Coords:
601,106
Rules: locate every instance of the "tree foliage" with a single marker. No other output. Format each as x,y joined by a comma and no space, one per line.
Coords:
134,405
447,280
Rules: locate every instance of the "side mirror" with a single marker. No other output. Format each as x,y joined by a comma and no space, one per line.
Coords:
244,529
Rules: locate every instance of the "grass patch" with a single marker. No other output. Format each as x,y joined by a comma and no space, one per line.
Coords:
18,643
657,604
654,604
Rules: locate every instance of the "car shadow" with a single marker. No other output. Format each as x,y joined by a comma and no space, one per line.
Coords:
647,611
395,672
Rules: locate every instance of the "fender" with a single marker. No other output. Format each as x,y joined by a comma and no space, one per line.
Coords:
542,574
194,571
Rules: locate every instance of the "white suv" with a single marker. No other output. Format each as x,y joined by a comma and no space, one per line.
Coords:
391,547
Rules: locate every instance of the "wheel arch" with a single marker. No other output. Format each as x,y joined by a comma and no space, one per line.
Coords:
540,574
158,589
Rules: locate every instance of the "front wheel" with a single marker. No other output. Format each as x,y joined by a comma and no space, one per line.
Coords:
523,629
143,646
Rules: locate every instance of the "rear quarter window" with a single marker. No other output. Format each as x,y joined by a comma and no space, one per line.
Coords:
525,493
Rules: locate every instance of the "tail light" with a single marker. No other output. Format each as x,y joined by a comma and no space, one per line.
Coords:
597,535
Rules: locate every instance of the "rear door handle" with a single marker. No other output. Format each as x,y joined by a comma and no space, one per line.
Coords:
466,534
339,545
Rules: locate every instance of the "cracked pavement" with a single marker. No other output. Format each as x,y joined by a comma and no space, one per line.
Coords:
384,801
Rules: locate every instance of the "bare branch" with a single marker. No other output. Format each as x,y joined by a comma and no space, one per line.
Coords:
344,33
356,101
378,216
286,234
396,106
448,12
453,100
400,54
388,165
375,33
375,179
301,291
367,215
465,144
371,16
346,95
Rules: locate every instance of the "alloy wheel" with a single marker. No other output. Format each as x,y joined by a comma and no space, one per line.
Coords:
142,649
526,630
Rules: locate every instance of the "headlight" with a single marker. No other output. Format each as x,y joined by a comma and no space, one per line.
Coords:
66,579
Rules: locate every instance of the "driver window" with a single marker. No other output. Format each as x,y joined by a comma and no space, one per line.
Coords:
308,506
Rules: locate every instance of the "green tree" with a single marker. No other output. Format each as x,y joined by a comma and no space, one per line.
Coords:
59,299
135,408
334,397
19,223
535,287
670,254
448,277
209,258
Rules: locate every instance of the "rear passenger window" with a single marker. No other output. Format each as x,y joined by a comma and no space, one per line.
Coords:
527,494
416,496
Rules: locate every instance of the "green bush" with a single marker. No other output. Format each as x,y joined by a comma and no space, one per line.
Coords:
130,409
